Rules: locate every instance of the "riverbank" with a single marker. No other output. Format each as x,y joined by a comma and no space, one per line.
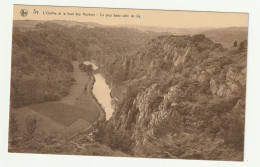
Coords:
64,126
102,114
116,91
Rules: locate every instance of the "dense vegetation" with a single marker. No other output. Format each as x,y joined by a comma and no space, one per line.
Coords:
179,96
86,68
42,55
41,66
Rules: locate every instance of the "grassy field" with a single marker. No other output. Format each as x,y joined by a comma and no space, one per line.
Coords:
65,114
52,137
58,122
71,115
78,88
44,124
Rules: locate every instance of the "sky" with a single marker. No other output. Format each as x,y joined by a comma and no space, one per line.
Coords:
106,16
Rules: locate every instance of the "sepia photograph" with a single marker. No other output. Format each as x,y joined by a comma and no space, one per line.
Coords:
128,83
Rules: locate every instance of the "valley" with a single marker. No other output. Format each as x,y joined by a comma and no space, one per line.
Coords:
154,94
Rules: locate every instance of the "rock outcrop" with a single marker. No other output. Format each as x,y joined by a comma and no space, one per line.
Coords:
190,105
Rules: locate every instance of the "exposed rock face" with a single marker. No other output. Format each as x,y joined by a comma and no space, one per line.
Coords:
189,116
231,85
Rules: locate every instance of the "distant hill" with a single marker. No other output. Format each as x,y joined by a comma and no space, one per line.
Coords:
26,25
171,30
76,23
30,24
222,35
227,35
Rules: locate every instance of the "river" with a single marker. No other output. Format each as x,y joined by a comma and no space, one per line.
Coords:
102,92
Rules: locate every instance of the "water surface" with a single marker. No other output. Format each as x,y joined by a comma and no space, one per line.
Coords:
102,92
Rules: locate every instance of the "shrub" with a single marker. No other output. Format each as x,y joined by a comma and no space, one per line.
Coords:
13,129
117,140
31,125
235,134
89,69
120,141
235,44
169,125
198,38
72,79
241,46
155,101
218,46
81,67
165,84
235,129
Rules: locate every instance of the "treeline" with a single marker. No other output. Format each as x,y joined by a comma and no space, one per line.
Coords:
242,45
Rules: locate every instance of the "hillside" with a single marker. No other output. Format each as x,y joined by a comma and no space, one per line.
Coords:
187,100
41,56
41,66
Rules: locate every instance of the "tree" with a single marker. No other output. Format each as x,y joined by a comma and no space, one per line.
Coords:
198,38
13,128
241,46
235,44
119,75
89,69
78,56
31,125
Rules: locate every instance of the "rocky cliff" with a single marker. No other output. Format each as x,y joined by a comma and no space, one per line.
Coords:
185,99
